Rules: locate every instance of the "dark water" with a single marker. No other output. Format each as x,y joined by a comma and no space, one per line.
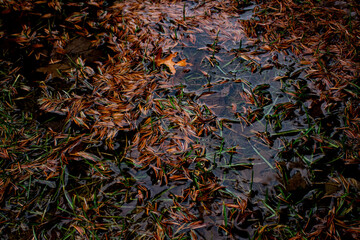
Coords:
222,72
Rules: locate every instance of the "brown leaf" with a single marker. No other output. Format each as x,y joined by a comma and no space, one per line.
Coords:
305,62
48,15
88,156
279,78
245,57
54,69
266,47
79,229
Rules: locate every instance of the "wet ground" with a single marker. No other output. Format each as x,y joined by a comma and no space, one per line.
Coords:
162,120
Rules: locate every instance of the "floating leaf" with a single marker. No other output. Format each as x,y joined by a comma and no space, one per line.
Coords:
168,61
183,63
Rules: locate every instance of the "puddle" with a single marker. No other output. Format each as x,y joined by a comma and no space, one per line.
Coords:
232,76
226,69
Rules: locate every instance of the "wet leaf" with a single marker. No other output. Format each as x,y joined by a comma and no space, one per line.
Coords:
296,182
88,156
331,187
168,61
305,62
80,230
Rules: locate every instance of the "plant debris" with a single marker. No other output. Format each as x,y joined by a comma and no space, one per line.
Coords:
254,134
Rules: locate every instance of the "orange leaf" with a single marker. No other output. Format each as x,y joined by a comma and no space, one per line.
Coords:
205,73
305,62
183,63
266,47
168,61
48,15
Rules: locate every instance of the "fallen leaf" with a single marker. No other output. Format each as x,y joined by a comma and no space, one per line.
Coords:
168,61
205,73
305,62
79,229
88,156
54,69
266,47
48,15
247,58
279,78
183,63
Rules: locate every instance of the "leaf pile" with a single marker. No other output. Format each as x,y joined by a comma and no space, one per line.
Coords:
94,119
324,36
99,141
